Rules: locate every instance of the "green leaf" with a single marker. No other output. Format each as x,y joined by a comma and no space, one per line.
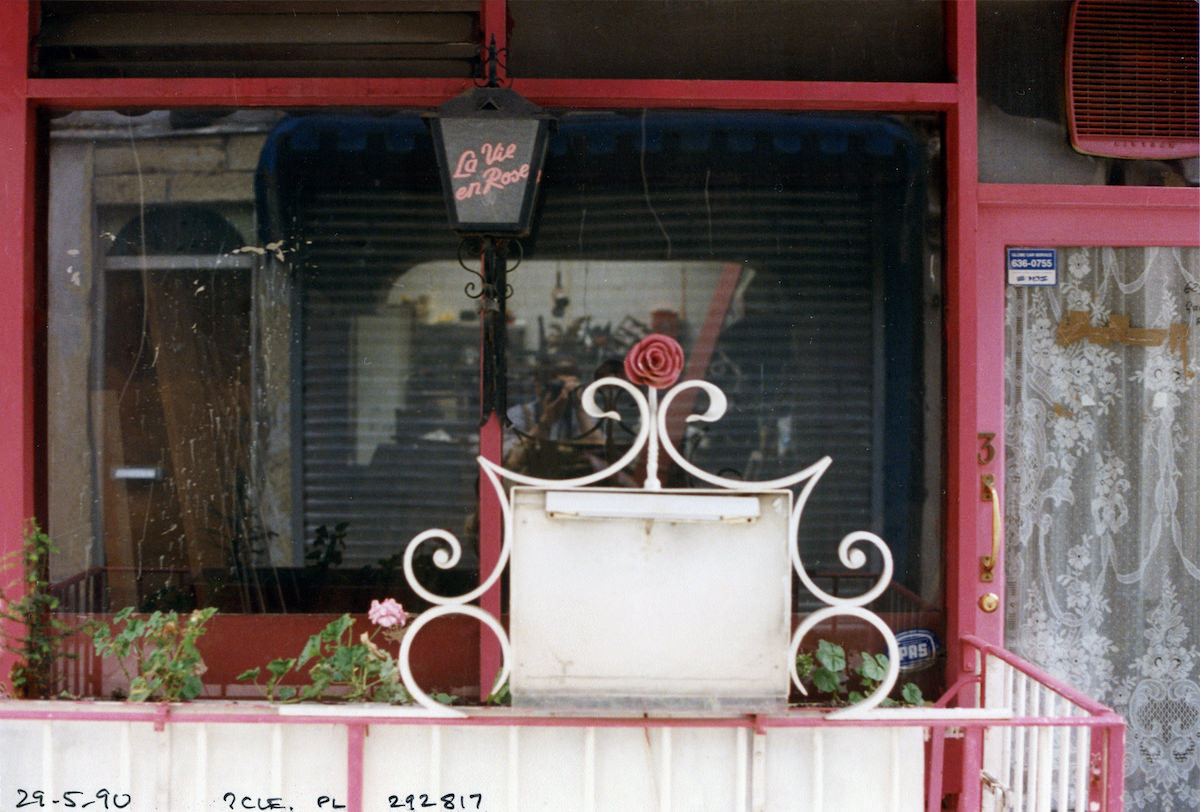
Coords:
804,665
281,666
337,628
392,693
139,691
249,675
192,687
826,680
311,649
100,639
346,659
872,669
912,694
831,656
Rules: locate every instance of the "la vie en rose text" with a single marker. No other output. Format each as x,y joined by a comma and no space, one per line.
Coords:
497,172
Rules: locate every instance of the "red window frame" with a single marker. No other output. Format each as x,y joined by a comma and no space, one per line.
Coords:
972,306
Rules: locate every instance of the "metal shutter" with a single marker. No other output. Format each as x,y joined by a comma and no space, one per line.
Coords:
83,38
828,211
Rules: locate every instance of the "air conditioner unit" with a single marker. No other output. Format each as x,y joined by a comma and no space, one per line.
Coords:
1132,77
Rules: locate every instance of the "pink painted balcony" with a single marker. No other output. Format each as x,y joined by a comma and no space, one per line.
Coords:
630,690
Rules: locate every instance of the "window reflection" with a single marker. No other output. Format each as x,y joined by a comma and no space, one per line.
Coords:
264,369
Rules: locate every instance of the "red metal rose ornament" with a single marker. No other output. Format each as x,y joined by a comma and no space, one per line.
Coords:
655,361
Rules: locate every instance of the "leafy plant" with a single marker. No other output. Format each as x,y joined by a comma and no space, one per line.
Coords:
828,670
325,550
338,667
500,696
40,645
157,653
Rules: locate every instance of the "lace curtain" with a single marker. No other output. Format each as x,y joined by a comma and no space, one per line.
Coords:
1103,498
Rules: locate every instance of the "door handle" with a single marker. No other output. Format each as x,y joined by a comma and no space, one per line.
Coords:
987,563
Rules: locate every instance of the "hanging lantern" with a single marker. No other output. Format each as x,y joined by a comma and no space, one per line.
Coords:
490,144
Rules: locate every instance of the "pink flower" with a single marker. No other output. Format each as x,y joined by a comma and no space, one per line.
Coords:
655,361
387,613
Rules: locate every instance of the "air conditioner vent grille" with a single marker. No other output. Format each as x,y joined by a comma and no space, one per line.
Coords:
1132,78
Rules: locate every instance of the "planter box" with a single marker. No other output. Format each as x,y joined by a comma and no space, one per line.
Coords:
643,600
219,755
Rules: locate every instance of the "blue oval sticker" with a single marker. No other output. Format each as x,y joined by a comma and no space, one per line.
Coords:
918,649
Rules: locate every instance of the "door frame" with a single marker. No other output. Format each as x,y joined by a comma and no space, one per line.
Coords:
1051,216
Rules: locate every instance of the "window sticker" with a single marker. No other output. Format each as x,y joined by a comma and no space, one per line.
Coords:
1032,266
918,649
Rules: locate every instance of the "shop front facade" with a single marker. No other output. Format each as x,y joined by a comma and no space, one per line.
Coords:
248,360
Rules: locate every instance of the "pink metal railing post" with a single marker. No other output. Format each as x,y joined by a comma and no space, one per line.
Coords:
1106,783
970,798
355,745
935,762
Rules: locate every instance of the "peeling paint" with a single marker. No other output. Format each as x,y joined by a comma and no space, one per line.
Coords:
275,249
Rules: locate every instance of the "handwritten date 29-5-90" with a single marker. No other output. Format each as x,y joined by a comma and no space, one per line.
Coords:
450,800
78,799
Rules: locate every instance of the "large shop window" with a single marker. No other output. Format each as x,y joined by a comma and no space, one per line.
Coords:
264,361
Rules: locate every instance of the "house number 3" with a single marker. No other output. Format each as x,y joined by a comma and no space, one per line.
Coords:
987,450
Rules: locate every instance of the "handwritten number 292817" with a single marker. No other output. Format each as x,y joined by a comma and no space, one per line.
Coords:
447,801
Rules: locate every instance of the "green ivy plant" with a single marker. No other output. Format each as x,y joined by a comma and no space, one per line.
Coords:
827,669
157,653
39,645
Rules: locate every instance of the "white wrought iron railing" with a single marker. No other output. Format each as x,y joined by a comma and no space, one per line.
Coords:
654,436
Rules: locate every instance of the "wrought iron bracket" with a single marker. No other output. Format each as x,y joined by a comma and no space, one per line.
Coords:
653,436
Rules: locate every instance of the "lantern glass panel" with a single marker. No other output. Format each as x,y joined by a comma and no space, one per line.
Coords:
490,170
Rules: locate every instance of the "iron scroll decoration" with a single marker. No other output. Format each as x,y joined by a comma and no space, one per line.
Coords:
652,436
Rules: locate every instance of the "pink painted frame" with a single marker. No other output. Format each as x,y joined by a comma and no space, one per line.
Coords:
979,220
1056,216
21,309
1034,215
28,95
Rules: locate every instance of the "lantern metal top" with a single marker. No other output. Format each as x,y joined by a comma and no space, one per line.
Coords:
491,103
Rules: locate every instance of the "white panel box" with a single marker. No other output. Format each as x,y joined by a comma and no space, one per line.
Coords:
629,600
